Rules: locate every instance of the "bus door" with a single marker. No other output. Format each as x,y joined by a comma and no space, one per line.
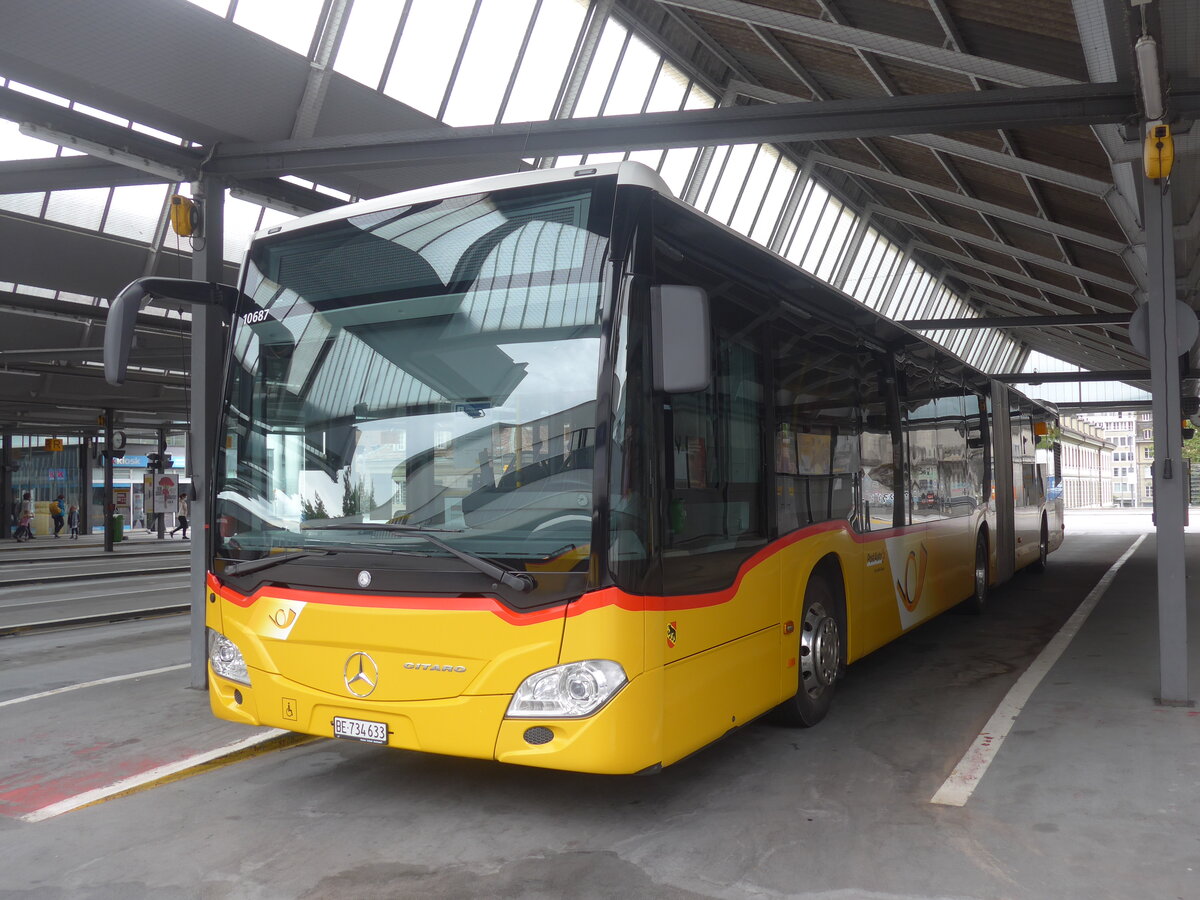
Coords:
1028,491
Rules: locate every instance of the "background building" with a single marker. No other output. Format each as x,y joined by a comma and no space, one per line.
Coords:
1087,464
1120,429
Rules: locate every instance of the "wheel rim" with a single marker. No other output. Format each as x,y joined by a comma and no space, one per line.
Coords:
820,650
981,573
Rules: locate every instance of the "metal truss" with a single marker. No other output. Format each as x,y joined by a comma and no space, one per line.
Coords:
882,44
887,116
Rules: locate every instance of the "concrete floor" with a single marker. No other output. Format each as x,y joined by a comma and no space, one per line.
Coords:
1093,794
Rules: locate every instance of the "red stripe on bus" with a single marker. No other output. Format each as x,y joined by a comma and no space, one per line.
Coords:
587,603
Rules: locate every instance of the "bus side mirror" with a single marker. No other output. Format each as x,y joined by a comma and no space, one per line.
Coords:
679,321
123,311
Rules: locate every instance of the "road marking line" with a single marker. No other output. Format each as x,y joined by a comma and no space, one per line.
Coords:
168,772
97,683
963,780
45,601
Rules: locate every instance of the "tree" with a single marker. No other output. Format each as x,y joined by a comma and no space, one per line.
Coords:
356,499
313,510
1191,448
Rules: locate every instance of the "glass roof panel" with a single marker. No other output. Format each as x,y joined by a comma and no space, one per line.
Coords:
83,208
367,40
241,221
633,80
14,145
604,61
427,51
545,60
676,165
669,90
488,62
759,179
25,204
135,211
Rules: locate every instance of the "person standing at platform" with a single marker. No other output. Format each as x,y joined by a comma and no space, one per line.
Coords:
58,515
182,517
73,522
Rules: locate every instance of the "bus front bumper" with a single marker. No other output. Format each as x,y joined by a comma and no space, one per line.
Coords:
624,737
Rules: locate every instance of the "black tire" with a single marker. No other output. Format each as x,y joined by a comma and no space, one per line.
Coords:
1039,564
819,657
977,602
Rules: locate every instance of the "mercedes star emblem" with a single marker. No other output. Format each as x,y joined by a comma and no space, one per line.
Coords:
361,674
364,579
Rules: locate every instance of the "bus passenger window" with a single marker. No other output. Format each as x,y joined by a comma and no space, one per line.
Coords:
715,465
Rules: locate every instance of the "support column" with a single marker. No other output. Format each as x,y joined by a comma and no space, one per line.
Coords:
106,504
160,516
6,484
1002,483
208,337
85,484
1169,471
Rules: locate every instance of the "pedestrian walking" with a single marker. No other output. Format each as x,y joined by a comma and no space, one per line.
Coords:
58,515
73,522
24,530
182,517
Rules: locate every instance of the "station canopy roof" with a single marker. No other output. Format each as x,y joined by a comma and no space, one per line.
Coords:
937,159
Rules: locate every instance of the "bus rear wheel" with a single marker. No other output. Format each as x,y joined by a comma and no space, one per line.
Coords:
819,659
977,602
1043,549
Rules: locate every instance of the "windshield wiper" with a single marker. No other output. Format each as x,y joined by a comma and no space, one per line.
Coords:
507,576
267,562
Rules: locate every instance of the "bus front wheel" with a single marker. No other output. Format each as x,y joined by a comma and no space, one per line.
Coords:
819,658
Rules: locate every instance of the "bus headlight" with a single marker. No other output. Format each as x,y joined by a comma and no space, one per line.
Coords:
226,658
571,691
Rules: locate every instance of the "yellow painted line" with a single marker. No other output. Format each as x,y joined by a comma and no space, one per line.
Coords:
247,748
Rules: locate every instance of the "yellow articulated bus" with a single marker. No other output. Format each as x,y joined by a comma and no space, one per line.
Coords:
552,469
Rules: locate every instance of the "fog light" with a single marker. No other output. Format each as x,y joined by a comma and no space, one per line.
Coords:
573,690
226,659
538,735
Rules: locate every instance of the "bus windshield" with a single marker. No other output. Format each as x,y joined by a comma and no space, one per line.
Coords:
430,367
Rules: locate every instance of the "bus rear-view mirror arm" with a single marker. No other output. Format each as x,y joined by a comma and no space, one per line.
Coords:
122,313
679,320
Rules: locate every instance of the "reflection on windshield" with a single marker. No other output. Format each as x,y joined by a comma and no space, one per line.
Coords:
432,366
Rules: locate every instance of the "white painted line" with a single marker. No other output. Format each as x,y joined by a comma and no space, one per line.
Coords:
966,775
45,601
97,683
147,777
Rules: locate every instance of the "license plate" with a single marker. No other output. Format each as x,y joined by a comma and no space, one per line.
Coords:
358,730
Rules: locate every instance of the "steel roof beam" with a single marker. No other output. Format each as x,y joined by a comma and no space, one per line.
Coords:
873,117
1019,297
1007,249
1097,350
1066,377
1046,286
130,150
882,44
1063,321
979,206
973,152
68,173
